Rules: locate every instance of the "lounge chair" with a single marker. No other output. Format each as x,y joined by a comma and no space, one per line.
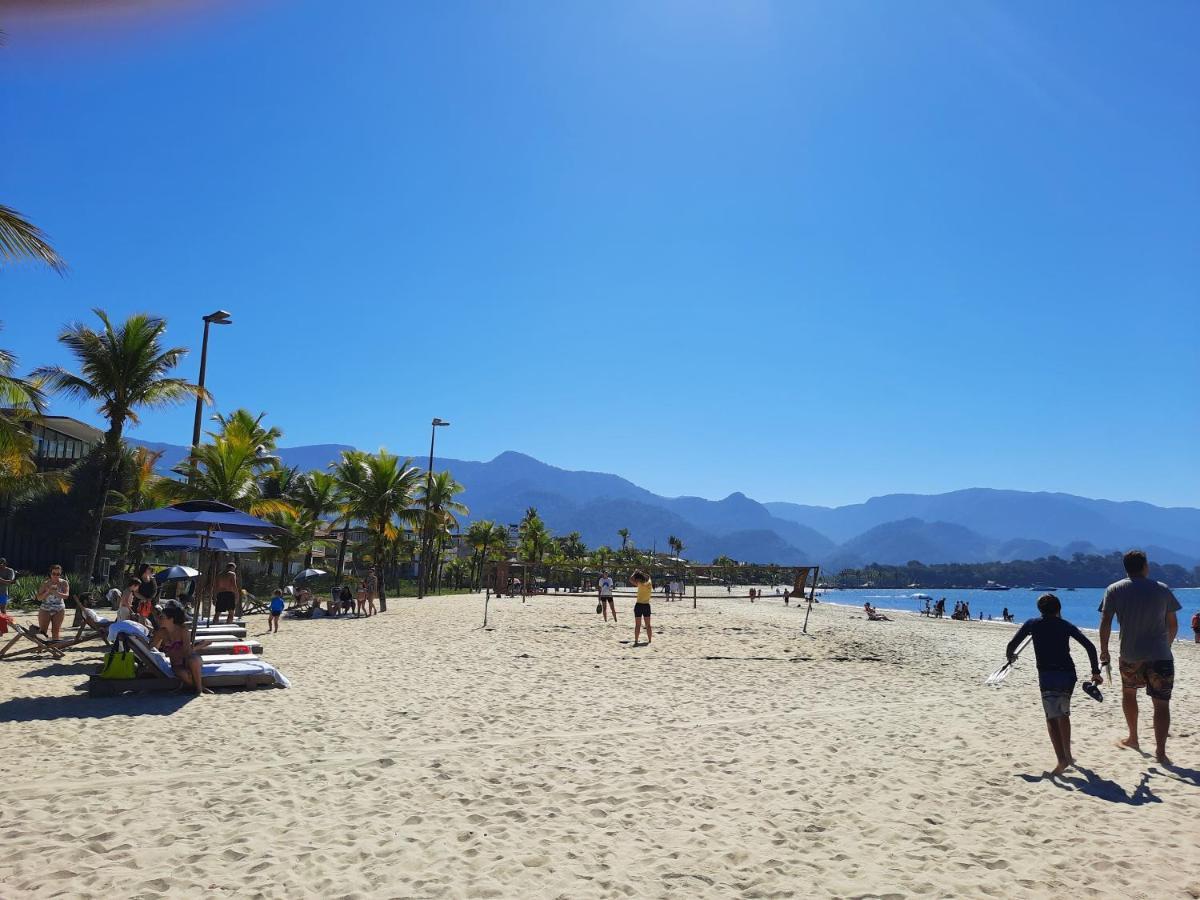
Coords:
39,644
42,643
154,672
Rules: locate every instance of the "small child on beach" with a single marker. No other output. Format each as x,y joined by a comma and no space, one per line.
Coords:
277,605
641,608
1051,635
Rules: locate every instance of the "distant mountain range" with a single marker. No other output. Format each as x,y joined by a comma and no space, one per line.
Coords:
973,525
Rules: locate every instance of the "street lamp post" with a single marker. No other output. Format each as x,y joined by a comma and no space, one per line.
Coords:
426,551
220,317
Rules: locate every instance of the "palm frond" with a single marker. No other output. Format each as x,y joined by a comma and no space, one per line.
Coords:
22,240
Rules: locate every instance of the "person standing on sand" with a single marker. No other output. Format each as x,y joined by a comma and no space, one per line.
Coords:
604,593
227,588
641,609
277,605
1051,636
1145,610
371,585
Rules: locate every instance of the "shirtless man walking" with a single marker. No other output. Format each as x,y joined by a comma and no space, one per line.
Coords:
1145,610
228,589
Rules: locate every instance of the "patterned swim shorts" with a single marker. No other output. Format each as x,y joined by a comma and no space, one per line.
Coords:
1157,676
1057,688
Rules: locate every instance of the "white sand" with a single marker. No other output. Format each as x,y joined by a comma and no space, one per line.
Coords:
418,756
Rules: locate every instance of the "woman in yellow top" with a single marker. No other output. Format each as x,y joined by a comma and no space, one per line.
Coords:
641,609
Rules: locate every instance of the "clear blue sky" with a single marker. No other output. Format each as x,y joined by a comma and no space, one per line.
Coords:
809,251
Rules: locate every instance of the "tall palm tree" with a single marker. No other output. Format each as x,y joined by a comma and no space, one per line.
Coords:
318,497
489,540
624,533
437,495
122,369
379,490
20,239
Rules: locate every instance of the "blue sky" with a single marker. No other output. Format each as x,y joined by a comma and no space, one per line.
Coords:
809,251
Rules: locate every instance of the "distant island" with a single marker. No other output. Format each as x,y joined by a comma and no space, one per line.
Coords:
1080,571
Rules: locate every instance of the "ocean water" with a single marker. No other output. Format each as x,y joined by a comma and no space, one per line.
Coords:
1080,606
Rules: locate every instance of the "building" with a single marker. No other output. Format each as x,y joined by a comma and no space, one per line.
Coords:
60,441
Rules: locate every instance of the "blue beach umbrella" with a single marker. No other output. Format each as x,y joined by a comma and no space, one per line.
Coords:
202,518
189,541
199,515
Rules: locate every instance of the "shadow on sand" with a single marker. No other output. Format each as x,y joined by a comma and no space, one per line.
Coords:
61,668
1104,788
1177,773
49,709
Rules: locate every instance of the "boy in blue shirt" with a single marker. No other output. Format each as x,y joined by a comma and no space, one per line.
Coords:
1056,671
276,611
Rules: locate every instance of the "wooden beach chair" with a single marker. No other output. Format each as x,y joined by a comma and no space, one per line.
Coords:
154,673
38,642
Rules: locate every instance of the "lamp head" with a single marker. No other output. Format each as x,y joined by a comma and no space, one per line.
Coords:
437,423
220,317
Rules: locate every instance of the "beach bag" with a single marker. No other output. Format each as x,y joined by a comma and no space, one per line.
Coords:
600,607
119,664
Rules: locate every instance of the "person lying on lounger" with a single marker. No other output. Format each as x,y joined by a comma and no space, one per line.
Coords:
875,615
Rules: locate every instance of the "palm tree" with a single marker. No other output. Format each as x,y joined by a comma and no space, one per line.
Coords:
20,239
231,470
143,489
19,399
379,490
317,496
122,369
248,425
437,495
624,533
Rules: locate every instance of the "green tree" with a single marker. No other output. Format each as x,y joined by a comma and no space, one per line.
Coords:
140,487
489,540
317,496
122,369
624,533
379,489
438,493
230,470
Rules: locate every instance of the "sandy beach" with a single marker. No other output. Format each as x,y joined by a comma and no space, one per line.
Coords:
418,755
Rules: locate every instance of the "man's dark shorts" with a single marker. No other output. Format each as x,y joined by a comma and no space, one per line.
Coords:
226,601
1157,676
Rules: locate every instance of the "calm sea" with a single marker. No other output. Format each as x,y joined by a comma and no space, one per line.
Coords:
1079,606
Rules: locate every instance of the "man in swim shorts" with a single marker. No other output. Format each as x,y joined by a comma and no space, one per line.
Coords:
228,590
1145,610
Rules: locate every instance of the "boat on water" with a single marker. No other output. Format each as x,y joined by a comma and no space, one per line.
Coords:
996,586
921,597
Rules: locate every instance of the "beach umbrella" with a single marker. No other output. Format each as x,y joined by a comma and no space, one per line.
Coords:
176,573
309,573
199,515
201,518
190,541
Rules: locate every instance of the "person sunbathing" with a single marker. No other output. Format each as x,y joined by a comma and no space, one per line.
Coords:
873,614
174,639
